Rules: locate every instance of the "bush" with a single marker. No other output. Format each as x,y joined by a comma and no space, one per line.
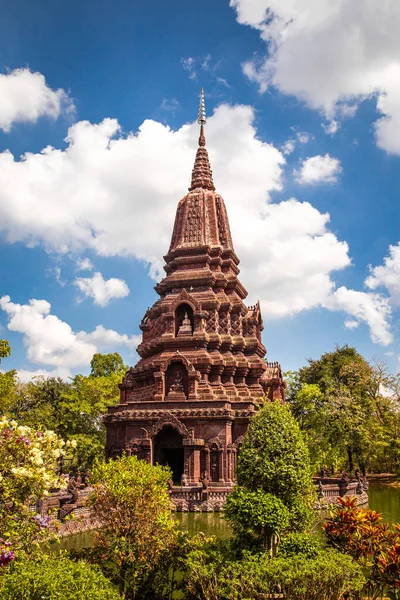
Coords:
328,576
55,578
274,458
255,517
305,544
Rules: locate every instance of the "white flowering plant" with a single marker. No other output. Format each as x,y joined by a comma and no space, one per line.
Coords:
29,462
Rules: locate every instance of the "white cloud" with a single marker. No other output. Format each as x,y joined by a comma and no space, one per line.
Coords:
84,264
25,97
302,137
108,338
288,147
51,341
26,375
318,169
331,55
388,274
373,309
118,195
100,289
351,324
189,65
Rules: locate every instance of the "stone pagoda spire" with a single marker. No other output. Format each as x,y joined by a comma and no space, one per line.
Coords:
202,174
202,368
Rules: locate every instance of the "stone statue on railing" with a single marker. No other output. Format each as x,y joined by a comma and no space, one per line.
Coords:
184,480
320,490
73,490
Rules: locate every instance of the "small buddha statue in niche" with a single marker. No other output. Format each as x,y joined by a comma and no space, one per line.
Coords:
177,386
186,326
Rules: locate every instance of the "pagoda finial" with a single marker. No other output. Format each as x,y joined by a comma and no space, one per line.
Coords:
201,117
202,174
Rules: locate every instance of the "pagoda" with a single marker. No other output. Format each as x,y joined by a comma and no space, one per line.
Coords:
202,371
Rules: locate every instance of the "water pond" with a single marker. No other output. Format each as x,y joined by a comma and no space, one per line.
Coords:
382,498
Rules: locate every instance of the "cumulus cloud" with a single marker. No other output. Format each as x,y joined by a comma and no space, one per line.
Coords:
117,195
372,309
84,264
388,274
100,289
318,169
331,55
51,341
25,97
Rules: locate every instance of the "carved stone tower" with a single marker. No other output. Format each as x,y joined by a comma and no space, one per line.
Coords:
202,371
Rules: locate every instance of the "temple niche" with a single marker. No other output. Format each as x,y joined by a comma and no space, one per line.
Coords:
202,368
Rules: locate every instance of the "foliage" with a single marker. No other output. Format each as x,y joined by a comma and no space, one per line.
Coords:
104,365
349,411
274,458
5,349
361,534
71,409
130,498
300,543
256,517
28,465
327,576
55,578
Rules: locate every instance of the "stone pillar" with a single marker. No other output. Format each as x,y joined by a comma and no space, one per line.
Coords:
229,464
192,448
147,453
187,451
221,465
159,378
207,462
194,377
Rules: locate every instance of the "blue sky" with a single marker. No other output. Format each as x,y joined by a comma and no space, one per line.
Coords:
304,139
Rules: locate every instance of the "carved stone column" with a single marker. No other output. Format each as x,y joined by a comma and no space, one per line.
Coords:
207,462
221,465
159,377
192,448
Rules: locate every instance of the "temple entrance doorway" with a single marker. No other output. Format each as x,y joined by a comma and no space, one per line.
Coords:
168,451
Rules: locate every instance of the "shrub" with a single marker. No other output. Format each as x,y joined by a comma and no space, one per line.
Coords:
55,578
255,517
305,544
328,576
274,458
131,500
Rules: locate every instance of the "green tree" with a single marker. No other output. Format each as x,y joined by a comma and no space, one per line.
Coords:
8,380
5,349
131,500
348,417
274,458
103,365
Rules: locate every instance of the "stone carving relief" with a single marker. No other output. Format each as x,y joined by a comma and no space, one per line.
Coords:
193,221
168,419
220,220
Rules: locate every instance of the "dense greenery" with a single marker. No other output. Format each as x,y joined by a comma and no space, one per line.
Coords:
350,411
274,460
211,575
55,578
342,412
130,499
72,409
